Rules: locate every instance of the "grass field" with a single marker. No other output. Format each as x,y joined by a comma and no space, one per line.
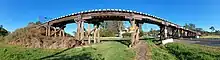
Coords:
102,51
159,52
111,51
185,51
210,36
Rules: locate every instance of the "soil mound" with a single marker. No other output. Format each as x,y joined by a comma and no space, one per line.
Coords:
34,36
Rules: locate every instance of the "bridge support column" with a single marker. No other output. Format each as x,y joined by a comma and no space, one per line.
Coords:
89,35
96,33
49,31
179,33
135,32
163,32
55,31
80,30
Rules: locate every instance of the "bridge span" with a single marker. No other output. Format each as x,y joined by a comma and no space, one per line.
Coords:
55,27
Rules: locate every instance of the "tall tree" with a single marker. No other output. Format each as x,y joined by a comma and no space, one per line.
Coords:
3,32
212,28
114,26
190,26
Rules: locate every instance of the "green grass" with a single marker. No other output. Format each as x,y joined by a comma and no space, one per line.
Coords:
210,36
106,51
185,51
159,52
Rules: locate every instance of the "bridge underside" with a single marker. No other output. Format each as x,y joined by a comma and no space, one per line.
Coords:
167,29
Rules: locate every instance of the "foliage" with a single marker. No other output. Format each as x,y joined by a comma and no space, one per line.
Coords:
212,28
106,33
126,35
193,52
190,26
103,51
113,26
159,52
3,31
153,32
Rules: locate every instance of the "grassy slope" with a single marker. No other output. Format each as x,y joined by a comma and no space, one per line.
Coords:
159,53
107,51
210,36
185,51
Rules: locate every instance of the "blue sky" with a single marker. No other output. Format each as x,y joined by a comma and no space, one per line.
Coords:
204,13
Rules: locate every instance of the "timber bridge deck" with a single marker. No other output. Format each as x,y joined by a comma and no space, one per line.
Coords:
55,27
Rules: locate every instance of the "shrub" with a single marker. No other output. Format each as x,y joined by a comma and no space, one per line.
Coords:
106,33
126,35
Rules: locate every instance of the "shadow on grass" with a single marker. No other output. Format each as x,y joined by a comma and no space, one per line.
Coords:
54,54
84,56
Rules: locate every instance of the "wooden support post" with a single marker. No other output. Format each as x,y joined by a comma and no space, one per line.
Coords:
63,33
78,30
46,30
98,33
137,35
60,33
55,31
89,40
133,29
49,31
82,32
163,32
95,32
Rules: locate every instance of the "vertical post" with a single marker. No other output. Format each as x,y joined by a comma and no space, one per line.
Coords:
179,33
55,31
163,32
63,33
82,31
49,31
94,35
89,40
98,33
46,31
137,35
60,32
133,29
78,30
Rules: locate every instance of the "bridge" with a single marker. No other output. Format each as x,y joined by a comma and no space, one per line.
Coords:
55,27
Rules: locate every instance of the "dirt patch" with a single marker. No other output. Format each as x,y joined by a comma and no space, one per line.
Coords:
142,51
34,36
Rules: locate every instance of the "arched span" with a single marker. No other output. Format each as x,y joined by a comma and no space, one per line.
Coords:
111,14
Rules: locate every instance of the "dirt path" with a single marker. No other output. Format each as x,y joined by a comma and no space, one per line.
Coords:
142,51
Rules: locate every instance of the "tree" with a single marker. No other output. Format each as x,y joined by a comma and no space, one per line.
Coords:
199,29
114,26
3,32
190,26
212,28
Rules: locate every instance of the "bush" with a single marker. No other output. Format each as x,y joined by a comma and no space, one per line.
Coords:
126,35
106,33
3,32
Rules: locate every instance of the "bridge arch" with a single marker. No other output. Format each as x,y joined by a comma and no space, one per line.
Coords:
135,18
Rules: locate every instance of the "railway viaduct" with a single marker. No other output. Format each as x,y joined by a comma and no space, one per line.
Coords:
55,27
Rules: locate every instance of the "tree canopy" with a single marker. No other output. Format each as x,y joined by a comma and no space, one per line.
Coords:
3,31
